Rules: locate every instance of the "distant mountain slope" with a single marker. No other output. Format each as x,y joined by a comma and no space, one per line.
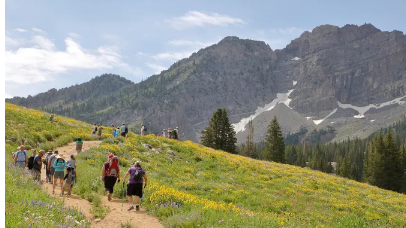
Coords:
353,65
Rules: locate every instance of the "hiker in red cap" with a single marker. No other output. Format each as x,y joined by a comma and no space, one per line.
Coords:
110,174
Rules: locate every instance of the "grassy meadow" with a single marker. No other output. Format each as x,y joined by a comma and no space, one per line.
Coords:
194,186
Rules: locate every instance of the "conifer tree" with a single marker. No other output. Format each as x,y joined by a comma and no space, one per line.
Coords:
392,164
274,144
220,134
249,150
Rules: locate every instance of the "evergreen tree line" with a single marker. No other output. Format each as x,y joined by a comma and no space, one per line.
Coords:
379,159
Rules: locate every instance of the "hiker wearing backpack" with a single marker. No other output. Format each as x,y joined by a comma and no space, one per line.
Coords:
135,185
51,168
100,128
117,131
31,159
59,166
51,118
79,145
46,162
123,128
169,133
143,130
94,129
110,174
163,133
69,179
37,164
175,133
20,159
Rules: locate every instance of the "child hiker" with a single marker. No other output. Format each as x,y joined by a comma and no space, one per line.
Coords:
135,185
69,180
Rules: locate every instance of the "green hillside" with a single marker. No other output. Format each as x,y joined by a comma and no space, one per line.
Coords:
194,186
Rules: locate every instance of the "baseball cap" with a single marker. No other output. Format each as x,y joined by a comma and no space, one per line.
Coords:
111,155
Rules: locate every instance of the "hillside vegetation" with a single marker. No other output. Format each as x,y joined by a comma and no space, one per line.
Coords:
194,186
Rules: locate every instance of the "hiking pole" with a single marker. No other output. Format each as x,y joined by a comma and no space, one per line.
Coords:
122,199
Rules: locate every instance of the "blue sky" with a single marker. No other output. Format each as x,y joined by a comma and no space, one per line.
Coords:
55,44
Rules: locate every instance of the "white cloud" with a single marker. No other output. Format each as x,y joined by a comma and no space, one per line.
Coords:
43,62
197,44
172,55
20,30
195,18
12,42
157,69
74,35
7,95
287,31
38,30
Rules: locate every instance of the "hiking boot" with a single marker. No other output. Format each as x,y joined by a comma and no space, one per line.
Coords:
137,208
109,197
131,208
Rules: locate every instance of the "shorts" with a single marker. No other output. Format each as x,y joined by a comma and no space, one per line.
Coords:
51,171
67,186
109,183
134,190
123,134
20,164
58,174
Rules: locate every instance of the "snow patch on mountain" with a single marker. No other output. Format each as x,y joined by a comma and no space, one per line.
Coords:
294,83
296,58
317,122
362,110
280,98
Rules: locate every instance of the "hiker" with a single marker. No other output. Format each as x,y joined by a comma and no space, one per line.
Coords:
51,167
94,129
113,130
163,133
175,133
117,131
169,133
110,174
134,186
51,118
31,159
13,154
59,166
46,162
20,158
100,128
69,179
143,130
124,130
79,145
72,161
37,164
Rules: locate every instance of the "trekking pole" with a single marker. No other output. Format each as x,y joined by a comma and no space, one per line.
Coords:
122,199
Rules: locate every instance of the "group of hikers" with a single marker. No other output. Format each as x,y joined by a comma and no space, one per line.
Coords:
136,183
57,168
172,134
54,165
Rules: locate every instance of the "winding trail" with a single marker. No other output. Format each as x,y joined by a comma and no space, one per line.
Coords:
115,217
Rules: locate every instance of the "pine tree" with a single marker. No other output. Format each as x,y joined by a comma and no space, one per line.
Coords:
274,144
392,164
220,134
249,150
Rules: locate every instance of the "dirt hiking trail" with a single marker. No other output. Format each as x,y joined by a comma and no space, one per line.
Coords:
114,217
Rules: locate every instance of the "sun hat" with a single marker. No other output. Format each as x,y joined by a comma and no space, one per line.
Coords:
69,165
111,155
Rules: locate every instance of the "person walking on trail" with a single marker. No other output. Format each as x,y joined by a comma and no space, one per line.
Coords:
163,133
69,179
100,128
37,165
20,159
110,174
51,167
72,161
51,118
30,162
113,133
169,133
79,145
117,131
94,129
59,166
143,130
175,133
135,185
47,164
124,130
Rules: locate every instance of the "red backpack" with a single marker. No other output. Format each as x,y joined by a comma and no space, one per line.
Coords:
113,167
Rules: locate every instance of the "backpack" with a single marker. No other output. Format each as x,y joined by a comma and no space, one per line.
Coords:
22,157
30,162
113,167
137,175
95,129
145,128
69,177
126,129
52,159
